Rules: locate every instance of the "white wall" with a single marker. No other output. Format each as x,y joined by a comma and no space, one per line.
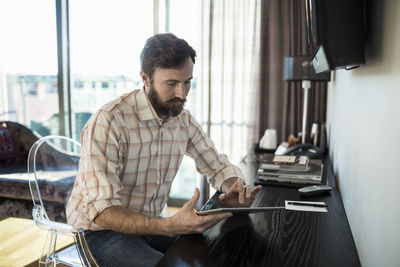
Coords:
363,124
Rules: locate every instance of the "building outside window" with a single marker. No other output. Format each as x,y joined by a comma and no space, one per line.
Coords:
105,52
28,64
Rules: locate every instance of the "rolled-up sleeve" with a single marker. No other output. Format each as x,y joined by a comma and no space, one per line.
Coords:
208,161
100,165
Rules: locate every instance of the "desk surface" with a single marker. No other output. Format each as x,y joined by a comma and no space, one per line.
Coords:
278,238
22,241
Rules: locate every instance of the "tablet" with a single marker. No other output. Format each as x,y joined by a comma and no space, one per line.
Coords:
237,211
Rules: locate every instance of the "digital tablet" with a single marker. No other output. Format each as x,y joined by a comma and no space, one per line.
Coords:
238,210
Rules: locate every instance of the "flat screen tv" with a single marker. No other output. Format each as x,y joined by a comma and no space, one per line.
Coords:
336,32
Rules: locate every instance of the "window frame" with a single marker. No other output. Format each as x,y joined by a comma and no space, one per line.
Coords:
160,10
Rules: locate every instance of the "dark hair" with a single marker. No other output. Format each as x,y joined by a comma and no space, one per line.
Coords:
165,50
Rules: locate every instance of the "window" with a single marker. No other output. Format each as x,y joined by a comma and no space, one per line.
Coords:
105,52
28,64
180,16
105,41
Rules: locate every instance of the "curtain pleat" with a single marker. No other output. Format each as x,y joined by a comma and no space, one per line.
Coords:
283,33
230,57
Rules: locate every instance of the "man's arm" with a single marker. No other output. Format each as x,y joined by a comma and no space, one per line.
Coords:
221,174
185,221
120,219
209,161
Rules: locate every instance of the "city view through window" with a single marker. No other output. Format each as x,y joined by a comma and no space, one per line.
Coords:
28,63
104,62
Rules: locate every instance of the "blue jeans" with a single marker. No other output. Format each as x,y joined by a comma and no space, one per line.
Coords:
116,249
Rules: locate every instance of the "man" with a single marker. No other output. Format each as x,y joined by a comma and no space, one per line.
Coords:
131,150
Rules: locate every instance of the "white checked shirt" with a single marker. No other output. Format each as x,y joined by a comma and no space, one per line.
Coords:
130,158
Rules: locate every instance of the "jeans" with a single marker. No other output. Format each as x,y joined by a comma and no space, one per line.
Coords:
111,248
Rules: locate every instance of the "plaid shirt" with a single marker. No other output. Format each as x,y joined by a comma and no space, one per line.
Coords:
130,158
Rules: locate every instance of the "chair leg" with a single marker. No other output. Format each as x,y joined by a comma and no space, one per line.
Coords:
47,257
84,251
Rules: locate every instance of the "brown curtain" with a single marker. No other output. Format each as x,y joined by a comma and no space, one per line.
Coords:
283,33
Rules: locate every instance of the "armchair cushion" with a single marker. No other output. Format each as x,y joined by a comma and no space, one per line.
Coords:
15,199
7,149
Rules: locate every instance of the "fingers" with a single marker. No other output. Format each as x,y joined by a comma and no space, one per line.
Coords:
239,185
248,194
255,191
214,218
186,221
258,188
240,194
251,193
211,220
241,190
248,191
193,201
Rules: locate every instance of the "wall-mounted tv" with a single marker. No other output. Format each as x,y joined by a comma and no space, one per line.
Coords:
336,31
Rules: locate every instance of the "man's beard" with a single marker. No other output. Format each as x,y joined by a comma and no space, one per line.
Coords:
170,108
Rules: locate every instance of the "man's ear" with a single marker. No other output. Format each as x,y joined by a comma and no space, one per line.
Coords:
145,79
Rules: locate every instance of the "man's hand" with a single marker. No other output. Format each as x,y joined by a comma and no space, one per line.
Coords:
186,221
239,195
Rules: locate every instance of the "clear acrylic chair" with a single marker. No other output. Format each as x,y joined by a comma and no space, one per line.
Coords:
54,160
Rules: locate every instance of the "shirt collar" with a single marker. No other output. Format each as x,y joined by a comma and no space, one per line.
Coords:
144,108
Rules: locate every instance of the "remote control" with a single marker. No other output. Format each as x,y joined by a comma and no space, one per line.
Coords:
314,190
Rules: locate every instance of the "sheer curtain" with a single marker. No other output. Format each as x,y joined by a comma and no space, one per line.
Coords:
229,60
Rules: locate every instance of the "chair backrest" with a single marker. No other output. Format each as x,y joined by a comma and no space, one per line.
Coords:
53,163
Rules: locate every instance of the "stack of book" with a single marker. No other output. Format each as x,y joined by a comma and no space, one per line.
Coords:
295,170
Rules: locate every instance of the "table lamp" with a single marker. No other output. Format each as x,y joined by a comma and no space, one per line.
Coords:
300,68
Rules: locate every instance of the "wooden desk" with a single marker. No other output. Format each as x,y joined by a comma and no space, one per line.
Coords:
21,242
279,238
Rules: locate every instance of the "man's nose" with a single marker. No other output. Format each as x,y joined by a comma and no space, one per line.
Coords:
180,92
